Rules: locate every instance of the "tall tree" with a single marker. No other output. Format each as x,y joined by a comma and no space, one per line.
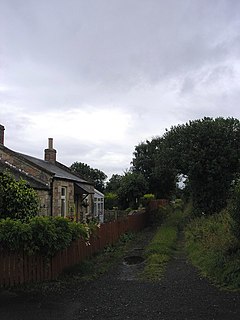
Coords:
151,161
133,187
114,183
206,151
95,176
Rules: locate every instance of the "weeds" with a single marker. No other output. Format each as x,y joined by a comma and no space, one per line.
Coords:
213,248
99,264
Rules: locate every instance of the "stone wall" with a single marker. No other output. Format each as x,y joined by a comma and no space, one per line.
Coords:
45,202
21,163
57,192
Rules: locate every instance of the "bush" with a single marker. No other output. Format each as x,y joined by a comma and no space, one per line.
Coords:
44,235
234,209
158,215
146,199
110,200
177,204
17,200
214,249
15,235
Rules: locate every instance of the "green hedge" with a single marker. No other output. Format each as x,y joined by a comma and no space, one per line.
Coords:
43,235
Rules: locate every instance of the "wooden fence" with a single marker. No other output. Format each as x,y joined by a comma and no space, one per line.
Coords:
155,204
19,268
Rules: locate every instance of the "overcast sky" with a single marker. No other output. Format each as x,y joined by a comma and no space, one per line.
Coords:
100,76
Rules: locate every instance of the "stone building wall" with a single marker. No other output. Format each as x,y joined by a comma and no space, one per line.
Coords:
21,163
45,202
57,197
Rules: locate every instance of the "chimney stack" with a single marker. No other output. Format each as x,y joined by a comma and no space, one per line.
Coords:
50,153
2,134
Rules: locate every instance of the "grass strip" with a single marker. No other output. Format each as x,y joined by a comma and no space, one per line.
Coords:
162,247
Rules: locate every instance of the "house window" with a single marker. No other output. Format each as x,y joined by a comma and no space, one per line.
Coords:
63,201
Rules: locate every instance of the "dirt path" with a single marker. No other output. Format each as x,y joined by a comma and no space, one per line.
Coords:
182,294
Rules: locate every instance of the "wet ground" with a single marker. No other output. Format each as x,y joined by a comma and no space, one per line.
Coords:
119,294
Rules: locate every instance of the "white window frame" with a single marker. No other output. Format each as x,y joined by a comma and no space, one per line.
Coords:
63,207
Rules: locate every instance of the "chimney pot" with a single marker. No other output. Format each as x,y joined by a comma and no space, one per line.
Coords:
50,143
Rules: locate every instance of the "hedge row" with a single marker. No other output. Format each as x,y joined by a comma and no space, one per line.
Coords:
43,235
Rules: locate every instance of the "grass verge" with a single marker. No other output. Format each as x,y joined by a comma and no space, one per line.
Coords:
214,249
162,247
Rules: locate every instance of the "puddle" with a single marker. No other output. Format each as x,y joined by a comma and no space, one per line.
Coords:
133,260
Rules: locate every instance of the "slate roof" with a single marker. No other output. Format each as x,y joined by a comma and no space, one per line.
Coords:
57,169
18,173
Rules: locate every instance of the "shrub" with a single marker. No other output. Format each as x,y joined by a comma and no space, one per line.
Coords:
146,199
214,249
177,204
15,235
111,200
234,209
44,235
17,200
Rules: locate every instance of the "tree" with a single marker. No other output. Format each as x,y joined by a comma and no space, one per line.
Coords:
151,161
17,199
133,187
207,151
114,183
95,176
111,200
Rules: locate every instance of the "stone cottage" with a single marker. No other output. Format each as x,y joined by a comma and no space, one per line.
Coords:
61,192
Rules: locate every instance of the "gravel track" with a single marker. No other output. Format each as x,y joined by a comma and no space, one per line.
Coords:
181,294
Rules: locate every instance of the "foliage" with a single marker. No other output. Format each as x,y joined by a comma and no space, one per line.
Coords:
17,199
44,235
110,200
206,151
147,198
158,215
214,249
133,187
101,262
177,204
95,176
162,246
234,208
114,183
150,160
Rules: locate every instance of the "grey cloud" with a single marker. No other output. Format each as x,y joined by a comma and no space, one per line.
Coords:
119,41
161,62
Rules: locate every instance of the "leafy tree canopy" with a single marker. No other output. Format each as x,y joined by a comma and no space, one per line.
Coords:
114,183
133,187
95,176
150,160
111,200
207,151
17,199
